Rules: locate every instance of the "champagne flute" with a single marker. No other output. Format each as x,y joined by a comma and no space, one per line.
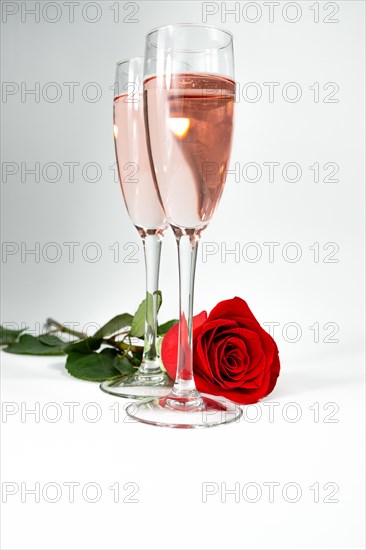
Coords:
146,214
189,94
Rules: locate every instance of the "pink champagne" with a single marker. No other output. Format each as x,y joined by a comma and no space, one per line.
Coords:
190,124
133,164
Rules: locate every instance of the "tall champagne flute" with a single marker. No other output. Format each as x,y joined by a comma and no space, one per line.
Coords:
146,214
189,94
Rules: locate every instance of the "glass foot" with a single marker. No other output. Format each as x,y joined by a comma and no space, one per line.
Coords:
139,386
208,413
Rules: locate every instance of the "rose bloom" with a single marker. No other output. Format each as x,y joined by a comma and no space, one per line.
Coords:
233,356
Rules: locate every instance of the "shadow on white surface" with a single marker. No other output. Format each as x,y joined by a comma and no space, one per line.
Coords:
317,377
60,369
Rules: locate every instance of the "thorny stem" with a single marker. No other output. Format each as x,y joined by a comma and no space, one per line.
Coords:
62,328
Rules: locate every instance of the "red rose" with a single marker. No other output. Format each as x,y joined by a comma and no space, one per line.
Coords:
233,356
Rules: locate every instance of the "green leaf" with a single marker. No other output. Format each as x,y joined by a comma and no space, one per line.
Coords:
93,366
123,365
136,359
163,329
138,321
33,345
84,346
114,325
9,336
51,340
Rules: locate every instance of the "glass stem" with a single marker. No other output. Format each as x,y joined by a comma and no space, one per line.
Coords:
152,251
184,393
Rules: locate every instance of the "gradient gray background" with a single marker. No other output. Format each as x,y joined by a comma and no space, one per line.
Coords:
304,212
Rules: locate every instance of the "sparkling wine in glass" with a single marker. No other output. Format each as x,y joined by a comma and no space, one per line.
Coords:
146,214
197,135
189,96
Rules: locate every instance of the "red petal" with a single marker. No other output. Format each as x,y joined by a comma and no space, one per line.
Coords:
169,347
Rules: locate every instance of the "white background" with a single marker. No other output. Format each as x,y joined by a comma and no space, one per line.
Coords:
170,467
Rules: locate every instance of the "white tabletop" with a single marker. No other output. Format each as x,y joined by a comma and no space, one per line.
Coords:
180,479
